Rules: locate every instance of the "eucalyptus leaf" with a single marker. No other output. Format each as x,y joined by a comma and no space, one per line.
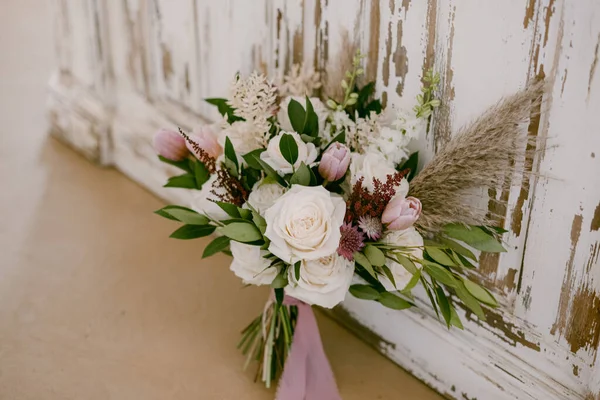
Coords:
392,301
365,292
192,231
244,232
217,245
288,148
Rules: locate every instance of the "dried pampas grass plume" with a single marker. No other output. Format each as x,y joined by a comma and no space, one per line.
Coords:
494,146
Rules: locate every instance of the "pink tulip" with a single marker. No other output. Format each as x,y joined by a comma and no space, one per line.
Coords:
206,138
401,212
335,162
170,144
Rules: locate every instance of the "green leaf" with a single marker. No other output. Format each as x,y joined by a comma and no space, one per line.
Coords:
200,174
443,304
474,237
430,295
279,282
279,295
407,263
288,148
230,209
468,300
245,213
439,256
184,165
412,283
365,292
244,232
230,153
457,247
192,231
394,302
301,176
412,164
297,270
224,109
364,262
389,274
311,122
454,318
439,273
188,217
163,212
217,245
465,263
186,181
374,255
480,293
259,221
297,115
250,158
271,173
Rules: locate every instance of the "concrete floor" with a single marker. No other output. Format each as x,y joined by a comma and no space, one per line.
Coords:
95,301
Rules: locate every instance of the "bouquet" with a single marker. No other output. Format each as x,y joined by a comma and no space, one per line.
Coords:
320,196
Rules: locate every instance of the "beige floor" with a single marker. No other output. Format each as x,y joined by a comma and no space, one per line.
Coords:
95,301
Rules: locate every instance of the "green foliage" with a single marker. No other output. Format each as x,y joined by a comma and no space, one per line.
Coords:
304,121
271,173
192,231
411,164
297,115
165,211
185,181
288,148
374,255
426,101
230,155
302,176
201,174
230,209
217,245
185,215
394,302
184,165
250,158
224,109
365,292
245,232
363,261
475,237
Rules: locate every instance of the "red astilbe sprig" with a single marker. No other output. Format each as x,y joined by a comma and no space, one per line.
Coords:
232,190
209,162
363,202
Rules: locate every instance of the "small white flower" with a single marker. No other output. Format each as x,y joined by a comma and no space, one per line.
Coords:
263,195
408,123
250,265
391,144
323,282
320,109
407,238
244,137
307,154
202,200
304,223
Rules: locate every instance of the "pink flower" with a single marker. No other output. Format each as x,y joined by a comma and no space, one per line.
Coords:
371,226
352,240
335,162
401,213
170,144
206,138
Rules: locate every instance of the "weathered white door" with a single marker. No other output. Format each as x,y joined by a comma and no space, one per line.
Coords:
130,67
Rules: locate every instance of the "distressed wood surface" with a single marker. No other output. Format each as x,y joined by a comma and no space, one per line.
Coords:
129,67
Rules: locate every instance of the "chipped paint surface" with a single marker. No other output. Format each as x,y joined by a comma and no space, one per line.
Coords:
155,60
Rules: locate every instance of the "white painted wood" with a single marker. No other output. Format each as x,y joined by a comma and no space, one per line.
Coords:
131,67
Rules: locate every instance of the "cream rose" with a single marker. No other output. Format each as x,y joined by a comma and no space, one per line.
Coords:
263,195
203,203
323,282
320,109
370,166
304,223
307,154
408,238
250,265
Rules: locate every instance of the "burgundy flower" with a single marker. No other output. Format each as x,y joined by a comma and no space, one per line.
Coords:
352,241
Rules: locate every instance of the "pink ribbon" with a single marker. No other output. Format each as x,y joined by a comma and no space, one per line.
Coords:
307,374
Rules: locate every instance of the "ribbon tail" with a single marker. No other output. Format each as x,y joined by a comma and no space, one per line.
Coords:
307,374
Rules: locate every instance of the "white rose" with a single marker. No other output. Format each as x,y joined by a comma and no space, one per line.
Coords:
369,166
409,238
323,282
202,201
320,109
304,223
263,195
250,265
307,154
244,137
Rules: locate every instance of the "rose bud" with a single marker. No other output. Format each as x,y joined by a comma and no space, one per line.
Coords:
335,162
401,212
206,138
170,144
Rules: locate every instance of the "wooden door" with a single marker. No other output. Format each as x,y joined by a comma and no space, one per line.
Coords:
160,58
